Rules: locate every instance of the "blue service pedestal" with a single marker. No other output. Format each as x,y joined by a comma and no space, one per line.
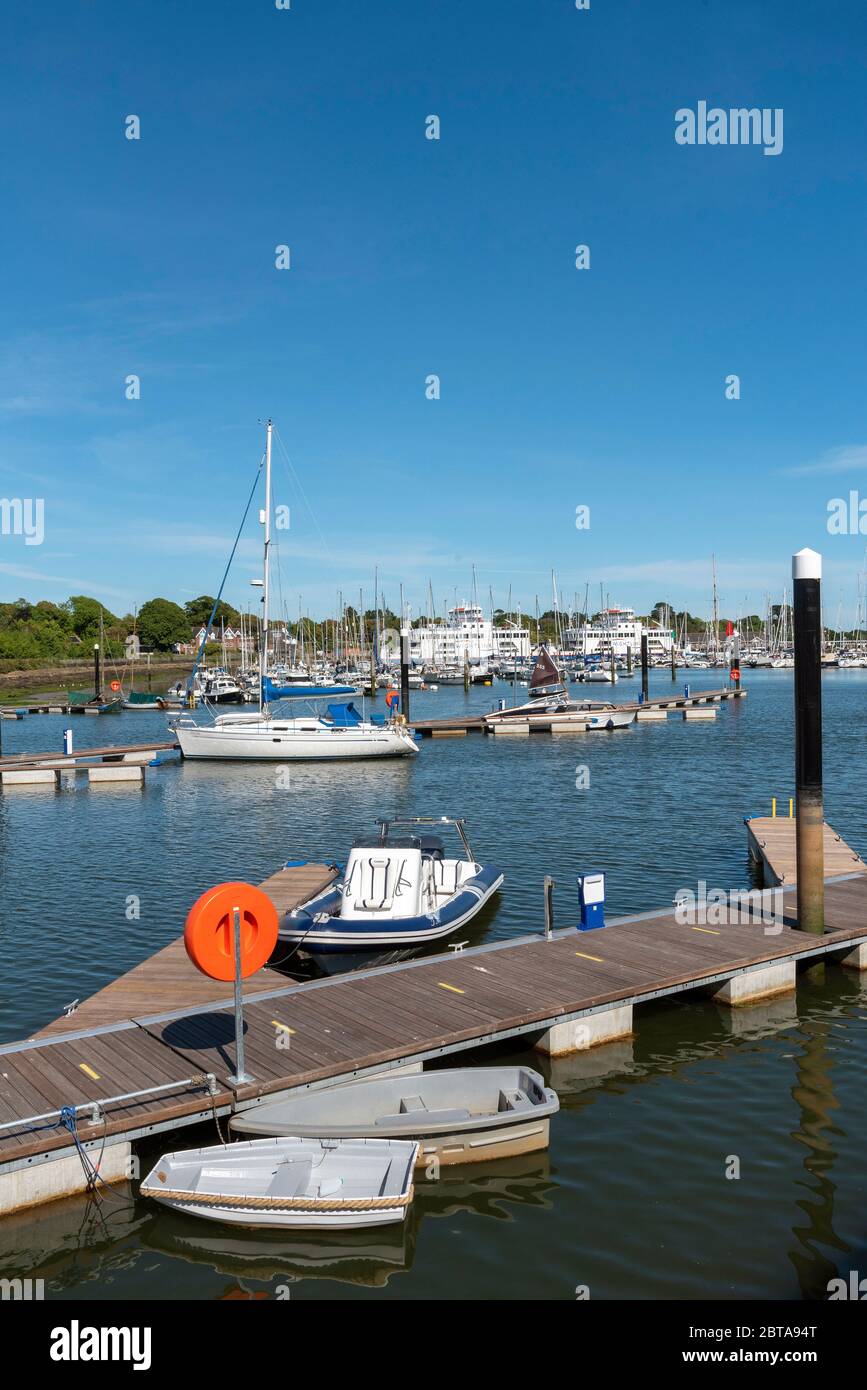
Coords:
591,892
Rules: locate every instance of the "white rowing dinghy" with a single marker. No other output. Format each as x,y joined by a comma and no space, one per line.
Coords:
289,1182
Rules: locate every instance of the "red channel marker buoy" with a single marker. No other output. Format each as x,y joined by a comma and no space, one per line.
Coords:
208,932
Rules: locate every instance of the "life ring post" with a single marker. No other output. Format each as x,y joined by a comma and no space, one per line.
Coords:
230,933
241,1078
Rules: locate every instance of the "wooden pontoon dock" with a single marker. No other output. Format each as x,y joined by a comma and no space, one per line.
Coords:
771,841
111,764
155,1049
461,724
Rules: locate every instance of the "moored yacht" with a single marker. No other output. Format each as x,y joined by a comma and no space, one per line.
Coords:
342,732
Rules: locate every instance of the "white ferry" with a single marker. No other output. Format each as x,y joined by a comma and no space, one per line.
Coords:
614,633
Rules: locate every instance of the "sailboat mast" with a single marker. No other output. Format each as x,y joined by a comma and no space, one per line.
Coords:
266,519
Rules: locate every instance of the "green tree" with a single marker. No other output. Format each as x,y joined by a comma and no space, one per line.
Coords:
85,613
162,623
198,611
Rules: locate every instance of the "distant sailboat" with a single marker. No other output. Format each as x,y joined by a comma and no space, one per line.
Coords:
341,733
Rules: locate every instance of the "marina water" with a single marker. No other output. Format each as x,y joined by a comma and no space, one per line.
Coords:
633,1199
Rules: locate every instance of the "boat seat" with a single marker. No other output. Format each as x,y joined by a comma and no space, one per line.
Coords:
411,1103
514,1100
408,1121
375,895
445,873
290,1178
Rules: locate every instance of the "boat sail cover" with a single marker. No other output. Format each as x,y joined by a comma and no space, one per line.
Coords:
545,672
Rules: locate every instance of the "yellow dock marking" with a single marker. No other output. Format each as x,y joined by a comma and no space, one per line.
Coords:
454,989
94,1075
707,931
584,956
284,1027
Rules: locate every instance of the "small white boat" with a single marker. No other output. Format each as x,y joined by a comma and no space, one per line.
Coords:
289,1183
399,892
465,1115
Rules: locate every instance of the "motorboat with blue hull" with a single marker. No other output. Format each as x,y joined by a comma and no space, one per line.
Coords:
398,894
461,1115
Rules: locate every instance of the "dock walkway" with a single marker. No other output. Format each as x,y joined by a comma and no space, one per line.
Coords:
771,841
475,723
109,753
306,1035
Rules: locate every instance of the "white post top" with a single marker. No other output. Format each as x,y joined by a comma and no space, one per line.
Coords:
807,564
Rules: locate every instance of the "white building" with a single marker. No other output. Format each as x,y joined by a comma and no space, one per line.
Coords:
617,630
466,633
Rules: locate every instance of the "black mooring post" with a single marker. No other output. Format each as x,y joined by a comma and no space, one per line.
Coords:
404,671
735,671
809,828
97,678
645,686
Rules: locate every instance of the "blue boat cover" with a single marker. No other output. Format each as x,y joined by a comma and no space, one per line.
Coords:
345,716
274,692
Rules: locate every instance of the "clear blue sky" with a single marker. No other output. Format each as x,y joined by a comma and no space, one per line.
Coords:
409,257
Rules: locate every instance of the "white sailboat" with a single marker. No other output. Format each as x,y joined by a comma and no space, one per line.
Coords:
260,735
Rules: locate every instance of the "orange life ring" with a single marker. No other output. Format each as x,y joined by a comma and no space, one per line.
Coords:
115,685
392,699
208,934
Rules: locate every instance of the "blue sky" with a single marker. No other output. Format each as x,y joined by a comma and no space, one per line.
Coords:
410,257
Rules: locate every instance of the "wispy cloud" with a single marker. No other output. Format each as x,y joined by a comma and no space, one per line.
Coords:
848,458
69,583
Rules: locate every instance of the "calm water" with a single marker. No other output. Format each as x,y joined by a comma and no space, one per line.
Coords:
632,1198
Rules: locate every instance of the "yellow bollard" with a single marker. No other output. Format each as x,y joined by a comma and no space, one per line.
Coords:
773,806
791,807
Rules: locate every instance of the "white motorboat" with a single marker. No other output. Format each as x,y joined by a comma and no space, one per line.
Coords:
549,699
399,892
262,735
289,1183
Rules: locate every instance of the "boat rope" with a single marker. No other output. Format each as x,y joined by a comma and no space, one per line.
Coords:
208,624
322,1204
91,1171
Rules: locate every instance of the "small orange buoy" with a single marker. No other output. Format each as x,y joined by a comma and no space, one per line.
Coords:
115,685
209,931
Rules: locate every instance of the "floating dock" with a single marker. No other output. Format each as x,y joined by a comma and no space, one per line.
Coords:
462,724
154,1050
771,842
57,705
117,762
